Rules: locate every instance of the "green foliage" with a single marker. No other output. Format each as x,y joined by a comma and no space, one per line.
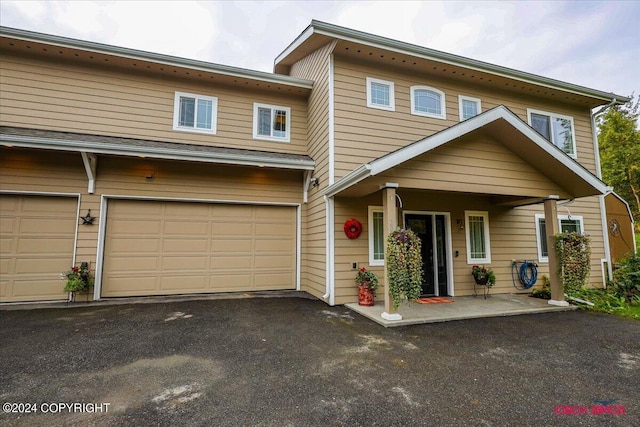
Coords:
404,266
481,274
545,290
78,279
607,301
626,279
574,259
369,278
619,142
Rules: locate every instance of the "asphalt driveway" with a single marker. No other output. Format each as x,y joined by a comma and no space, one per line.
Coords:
298,362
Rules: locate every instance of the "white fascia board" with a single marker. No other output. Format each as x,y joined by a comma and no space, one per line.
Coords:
153,57
308,32
372,40
156,153
352,178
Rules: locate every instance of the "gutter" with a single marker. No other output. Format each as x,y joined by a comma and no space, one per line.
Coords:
603,208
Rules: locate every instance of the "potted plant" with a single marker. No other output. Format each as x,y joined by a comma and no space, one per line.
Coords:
77,280
367,282
483,276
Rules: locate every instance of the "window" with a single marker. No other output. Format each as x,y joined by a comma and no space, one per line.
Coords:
555,128
427,101
477,226
380,94
376,236
568,223
195,113
469,107
271,122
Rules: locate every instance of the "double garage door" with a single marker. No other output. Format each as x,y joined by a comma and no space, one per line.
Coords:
37,237
166,247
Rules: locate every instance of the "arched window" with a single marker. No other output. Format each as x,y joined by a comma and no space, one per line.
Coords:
428,101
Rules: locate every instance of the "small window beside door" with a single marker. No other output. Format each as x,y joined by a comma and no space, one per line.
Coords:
477,234
376,236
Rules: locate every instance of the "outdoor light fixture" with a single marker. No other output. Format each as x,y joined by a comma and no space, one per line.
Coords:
315,181
87,219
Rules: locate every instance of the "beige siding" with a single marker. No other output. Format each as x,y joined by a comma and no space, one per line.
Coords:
75,98
363,134
316,67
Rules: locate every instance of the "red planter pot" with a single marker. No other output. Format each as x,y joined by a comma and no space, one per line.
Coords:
365,295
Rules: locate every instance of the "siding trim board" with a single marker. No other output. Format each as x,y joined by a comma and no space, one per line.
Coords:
584,183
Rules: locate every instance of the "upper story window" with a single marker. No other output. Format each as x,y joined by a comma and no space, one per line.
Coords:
428,101
568,223
271,122
477,234
469,107
380,94
556,128
195,113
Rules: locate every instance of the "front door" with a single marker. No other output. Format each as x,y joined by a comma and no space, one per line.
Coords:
431,229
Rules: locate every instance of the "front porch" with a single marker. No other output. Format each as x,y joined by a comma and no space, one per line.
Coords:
467,307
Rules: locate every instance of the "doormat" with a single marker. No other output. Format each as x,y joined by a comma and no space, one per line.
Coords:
432,300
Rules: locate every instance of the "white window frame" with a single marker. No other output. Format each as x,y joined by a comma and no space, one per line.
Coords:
443,104
462,98
551,116
372,260
487,239
392,97
273,108
176,113
539,235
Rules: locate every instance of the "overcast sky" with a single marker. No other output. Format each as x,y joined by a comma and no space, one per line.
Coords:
594,44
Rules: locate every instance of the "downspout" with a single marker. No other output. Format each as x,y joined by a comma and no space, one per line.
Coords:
603,210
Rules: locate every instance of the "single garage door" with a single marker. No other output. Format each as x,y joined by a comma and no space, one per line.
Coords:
37,235
163,248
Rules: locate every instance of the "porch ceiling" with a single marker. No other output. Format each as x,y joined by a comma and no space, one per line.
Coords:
531,159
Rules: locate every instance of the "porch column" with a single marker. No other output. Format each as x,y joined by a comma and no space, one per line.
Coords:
551,225
390,218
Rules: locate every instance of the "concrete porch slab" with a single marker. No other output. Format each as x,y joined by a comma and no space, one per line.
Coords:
467,307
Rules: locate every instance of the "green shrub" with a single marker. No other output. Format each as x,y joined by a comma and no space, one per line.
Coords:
626,279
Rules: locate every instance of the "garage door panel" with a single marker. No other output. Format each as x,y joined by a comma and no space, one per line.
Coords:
125,286
231,262
177,263
133,264
134,245
201,248
129,227
38,237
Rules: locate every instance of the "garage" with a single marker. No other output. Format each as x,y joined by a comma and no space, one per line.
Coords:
169,247
37,237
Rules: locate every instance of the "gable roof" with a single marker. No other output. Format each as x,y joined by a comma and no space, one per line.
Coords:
503,125
319,33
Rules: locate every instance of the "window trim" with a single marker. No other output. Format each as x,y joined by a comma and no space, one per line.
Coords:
539,236
286,138
392,97
443,104
559,116
176,113
372,260
487,238
468,98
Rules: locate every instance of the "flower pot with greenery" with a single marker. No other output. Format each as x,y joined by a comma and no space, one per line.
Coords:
367,282
483,276
78,280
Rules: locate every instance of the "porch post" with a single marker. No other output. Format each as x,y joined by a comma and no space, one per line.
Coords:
390,218
551,225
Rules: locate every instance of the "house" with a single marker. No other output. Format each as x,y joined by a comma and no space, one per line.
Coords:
208,178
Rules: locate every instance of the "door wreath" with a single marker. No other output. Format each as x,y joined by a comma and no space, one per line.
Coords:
352,228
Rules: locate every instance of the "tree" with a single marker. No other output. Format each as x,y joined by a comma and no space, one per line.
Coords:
619,141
